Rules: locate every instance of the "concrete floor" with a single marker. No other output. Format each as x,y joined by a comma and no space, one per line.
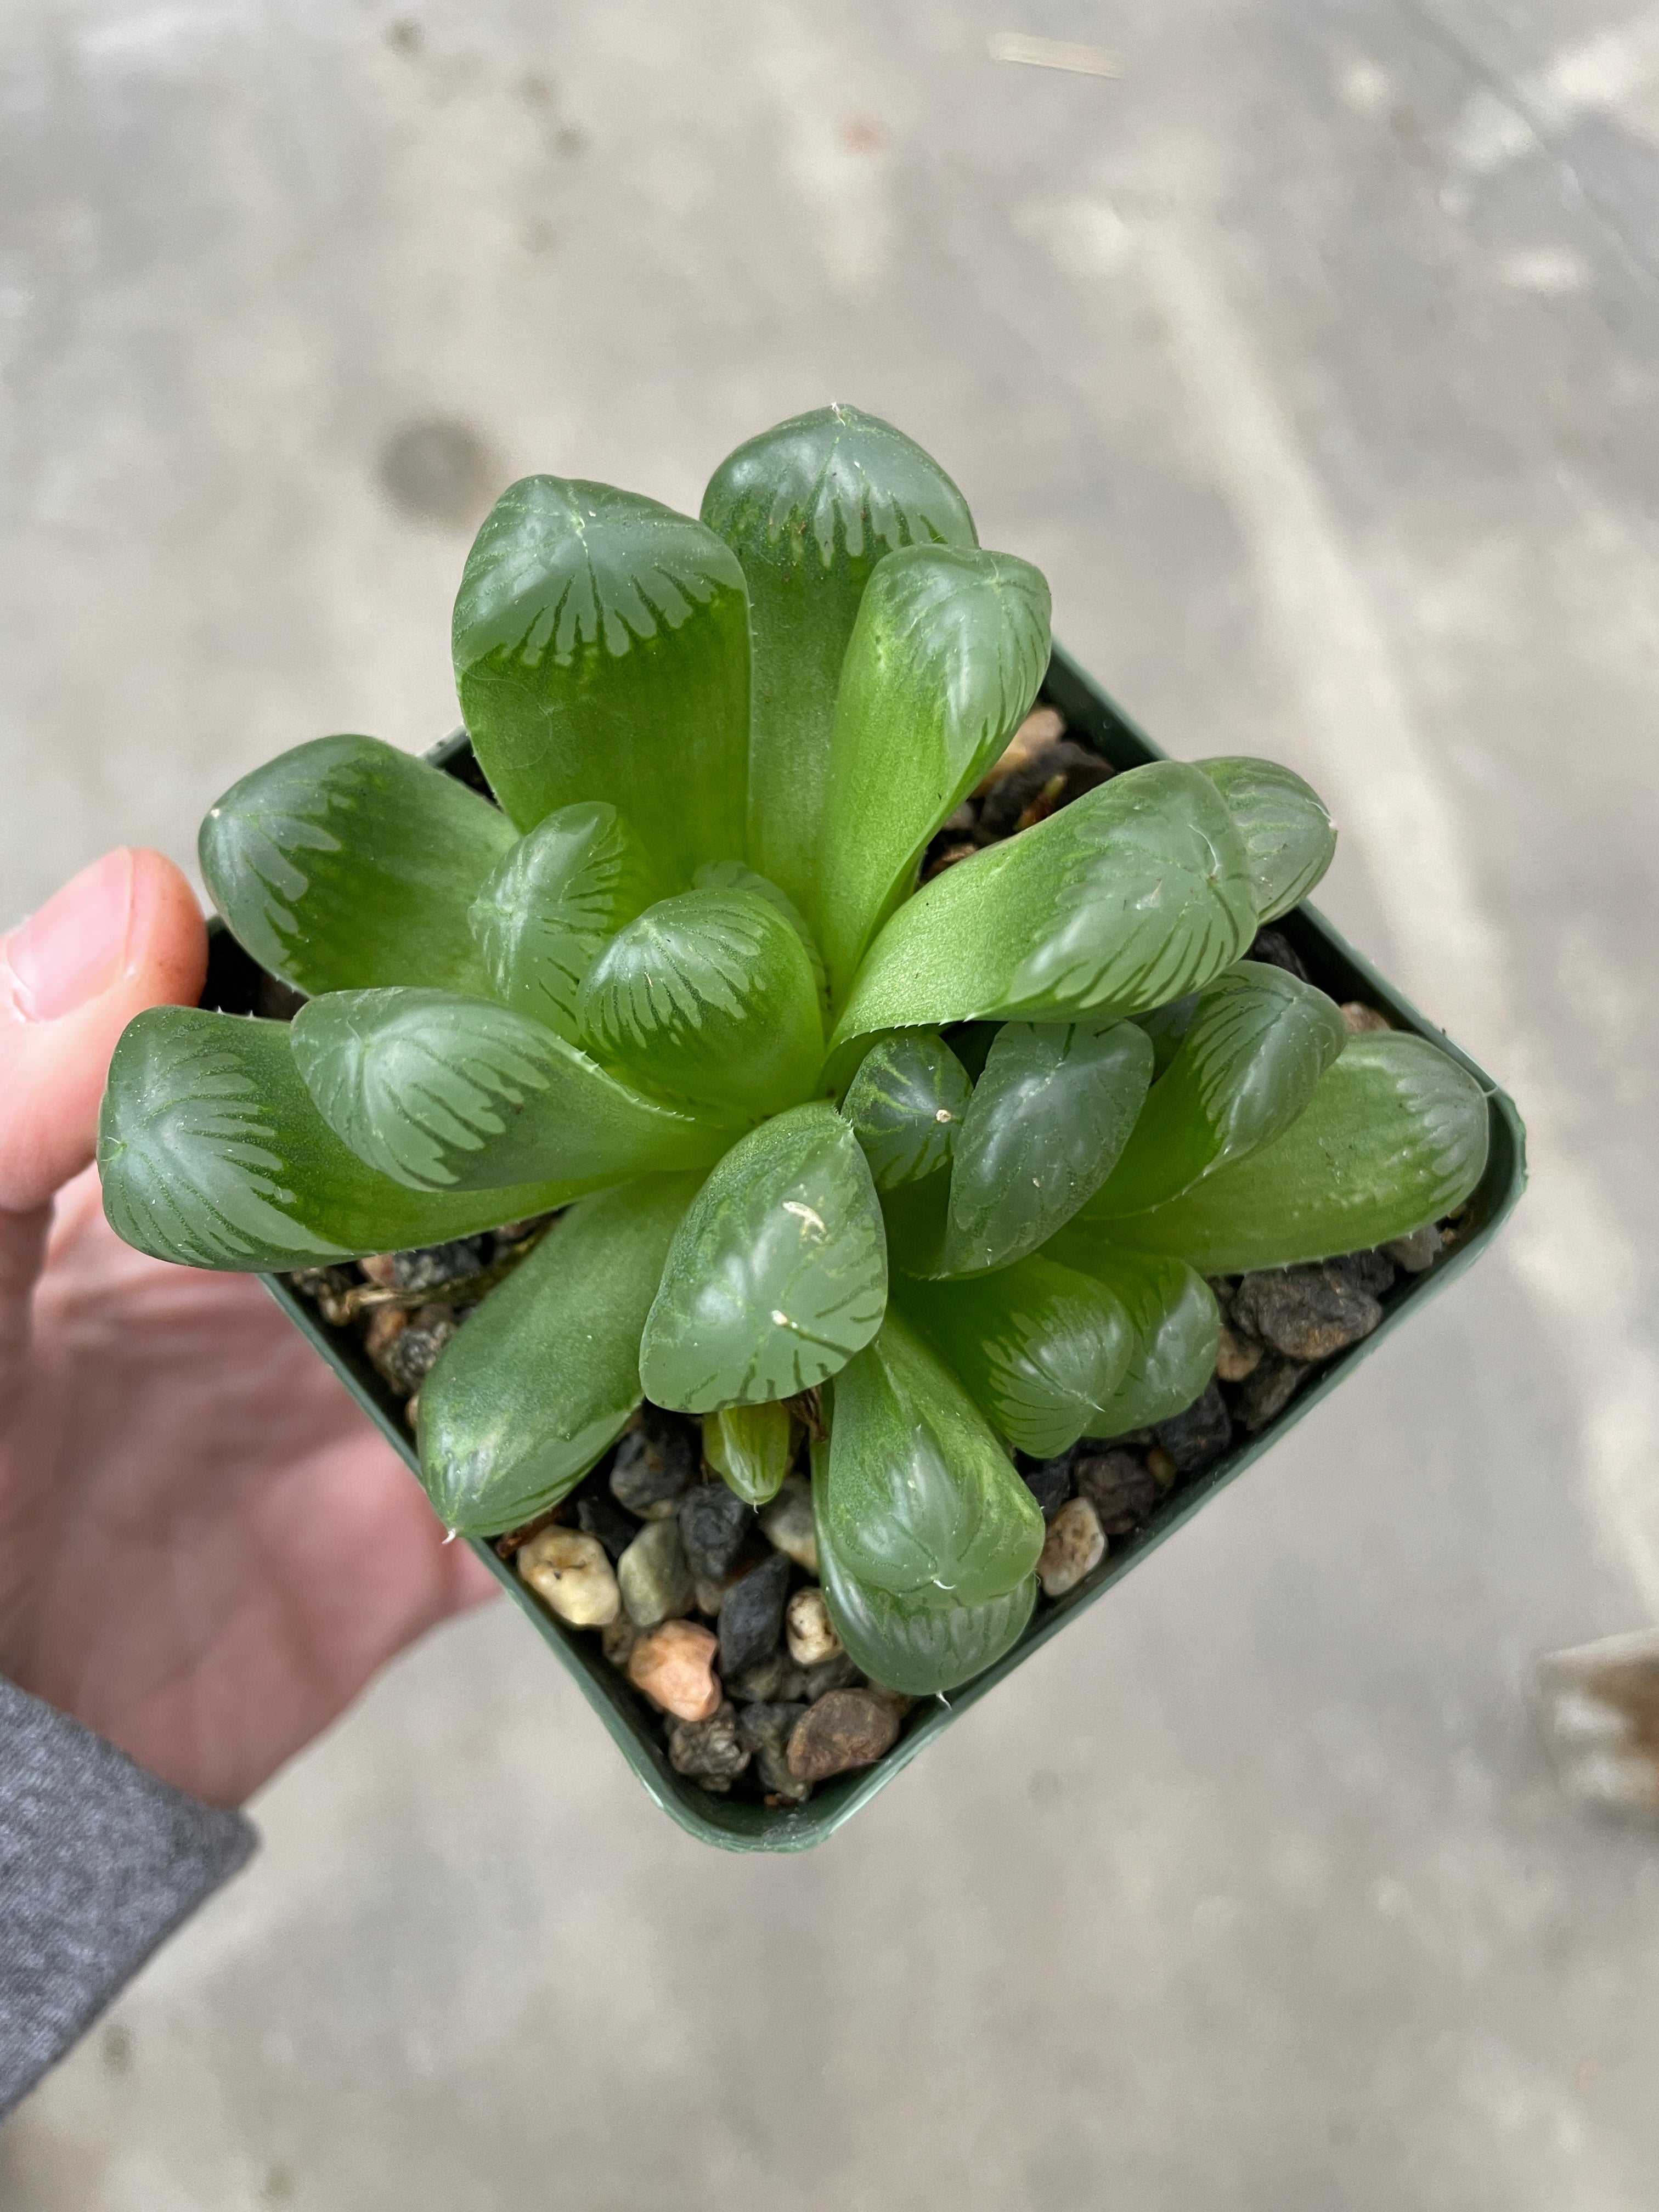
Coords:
1315,359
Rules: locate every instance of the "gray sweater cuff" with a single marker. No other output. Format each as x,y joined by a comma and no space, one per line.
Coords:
99,1862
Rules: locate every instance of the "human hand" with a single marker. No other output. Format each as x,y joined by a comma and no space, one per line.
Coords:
205,1551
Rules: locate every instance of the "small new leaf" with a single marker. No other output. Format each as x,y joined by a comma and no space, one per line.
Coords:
778,1274
906,1105
345,863
442,1092
751,1447
543,917
709,996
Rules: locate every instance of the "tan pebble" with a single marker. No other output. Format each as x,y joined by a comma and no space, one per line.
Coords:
1042,726
412,1411
810,1632
385,1325
1236,1356
674,1665
1360,1018
377,1267
1076,1545
572,1572
1162,1468
787,1523
848,1729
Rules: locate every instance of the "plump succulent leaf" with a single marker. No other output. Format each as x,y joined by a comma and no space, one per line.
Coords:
212,1152
1393,1137
545,913
947,655
810,507
346,863
601,648
735,876
542,1380
919,1498
907,1644
1134,894
1048,1117
778,1274
709,996
1167,1026
1039,1348
442,1092
906,1104
1175,1329
1285,830
1258,1042
751,1447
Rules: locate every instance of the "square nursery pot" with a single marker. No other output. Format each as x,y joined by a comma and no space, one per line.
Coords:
236,984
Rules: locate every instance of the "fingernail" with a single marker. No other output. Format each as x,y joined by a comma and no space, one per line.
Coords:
76,945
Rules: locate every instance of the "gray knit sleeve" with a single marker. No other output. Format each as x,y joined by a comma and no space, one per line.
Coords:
99,1862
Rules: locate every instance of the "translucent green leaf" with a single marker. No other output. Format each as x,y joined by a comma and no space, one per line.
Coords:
602,652
810,507
918,1495
543,1377
778,1274
734,876
440,1092
907,1644
346,862
212,1153
947,655
1135,893
545,913
1285,830
906,1104
1039,1347
1258,1042
1047,1119
751,1447
1175,1329
709,996
1166,1026
1393,1137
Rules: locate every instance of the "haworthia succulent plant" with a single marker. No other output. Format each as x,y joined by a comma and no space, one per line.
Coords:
954,1160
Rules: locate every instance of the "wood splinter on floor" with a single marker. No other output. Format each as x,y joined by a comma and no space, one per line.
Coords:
1052,53
1597,1708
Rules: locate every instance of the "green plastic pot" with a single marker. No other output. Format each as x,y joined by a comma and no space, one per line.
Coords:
233,983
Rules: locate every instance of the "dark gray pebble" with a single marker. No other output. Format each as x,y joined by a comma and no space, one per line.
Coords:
1373,1272
1078,768
711,1748
1120,1487
437,1263
713,1522
751,1615
598,1514
767,1680
766,1730
407,1358
836,1673
1269,1390
1198,1438
655,1464
1306,1313
1050,1483
1275,950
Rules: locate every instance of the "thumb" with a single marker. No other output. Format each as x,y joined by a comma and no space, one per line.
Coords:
124,935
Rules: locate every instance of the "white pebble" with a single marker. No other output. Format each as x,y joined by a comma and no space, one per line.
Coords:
571,1572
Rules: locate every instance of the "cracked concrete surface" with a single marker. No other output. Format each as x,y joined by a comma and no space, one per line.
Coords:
1315,359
